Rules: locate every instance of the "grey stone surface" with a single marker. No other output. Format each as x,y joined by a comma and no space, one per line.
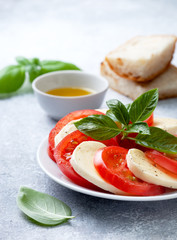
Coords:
81,32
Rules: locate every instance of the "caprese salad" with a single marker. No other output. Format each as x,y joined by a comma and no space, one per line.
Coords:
123,150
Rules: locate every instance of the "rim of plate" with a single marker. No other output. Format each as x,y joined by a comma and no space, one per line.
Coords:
43,158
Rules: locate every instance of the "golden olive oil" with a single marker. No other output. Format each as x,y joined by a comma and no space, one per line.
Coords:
70,92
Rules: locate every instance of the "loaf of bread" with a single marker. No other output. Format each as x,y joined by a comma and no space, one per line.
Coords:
141,59
166,83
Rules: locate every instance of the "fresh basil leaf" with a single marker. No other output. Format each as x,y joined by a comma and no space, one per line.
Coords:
99,127
119,110
42,207
22,61
33,71
51,66
11,78
111,115
159,140
139,127
143,106
35,61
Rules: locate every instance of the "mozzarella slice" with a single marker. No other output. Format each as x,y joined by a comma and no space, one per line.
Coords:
144,169
167,124
67,129
82,162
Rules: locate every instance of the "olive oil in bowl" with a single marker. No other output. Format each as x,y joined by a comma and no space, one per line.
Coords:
70,92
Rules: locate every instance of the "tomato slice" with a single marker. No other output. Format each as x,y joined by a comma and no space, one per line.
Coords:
110,162
162,160
62,122
63,153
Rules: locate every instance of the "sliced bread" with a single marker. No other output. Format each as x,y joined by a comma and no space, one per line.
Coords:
142,58
166,83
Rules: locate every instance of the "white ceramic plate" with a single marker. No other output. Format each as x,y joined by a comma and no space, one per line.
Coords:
52,170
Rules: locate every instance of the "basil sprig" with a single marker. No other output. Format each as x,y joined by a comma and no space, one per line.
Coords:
13,77
130,118
42,207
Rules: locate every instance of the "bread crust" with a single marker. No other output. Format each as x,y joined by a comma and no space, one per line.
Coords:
134,89
138,78
130,75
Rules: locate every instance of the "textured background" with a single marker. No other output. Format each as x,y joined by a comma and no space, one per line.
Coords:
81,32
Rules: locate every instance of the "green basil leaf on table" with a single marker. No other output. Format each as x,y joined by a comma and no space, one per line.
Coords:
51,66
159,140
42,207
11,78
139,127
22,60
143,106
119,110
33,71
35,61
99,127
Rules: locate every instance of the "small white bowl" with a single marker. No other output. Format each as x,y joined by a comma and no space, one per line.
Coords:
56,106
